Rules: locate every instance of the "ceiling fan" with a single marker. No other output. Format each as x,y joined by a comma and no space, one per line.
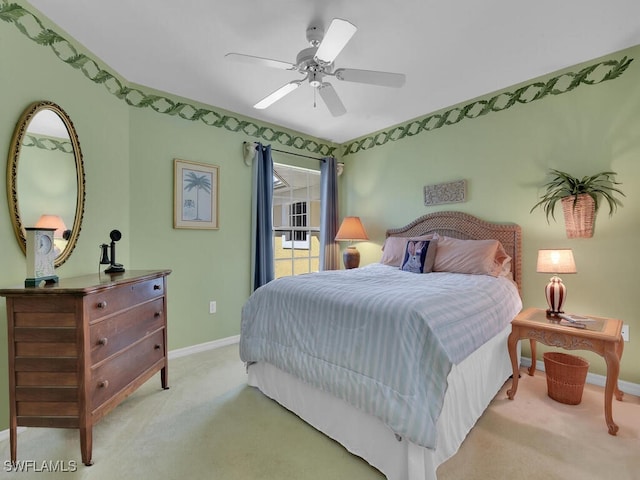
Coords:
316,63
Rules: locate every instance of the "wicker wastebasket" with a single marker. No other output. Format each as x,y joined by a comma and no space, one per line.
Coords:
566,375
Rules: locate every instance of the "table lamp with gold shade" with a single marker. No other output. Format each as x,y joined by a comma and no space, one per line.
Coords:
558,261
351,230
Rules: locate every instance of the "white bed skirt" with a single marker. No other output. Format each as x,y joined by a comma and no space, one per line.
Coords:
472,385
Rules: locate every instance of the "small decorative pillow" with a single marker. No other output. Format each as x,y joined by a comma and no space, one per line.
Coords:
394,248
478,257
419,256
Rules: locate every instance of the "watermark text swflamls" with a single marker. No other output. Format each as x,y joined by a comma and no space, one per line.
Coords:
44,466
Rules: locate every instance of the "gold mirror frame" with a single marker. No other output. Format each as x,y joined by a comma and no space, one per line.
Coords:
12,176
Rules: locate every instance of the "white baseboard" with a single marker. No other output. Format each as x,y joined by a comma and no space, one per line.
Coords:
202,347
592,378
4,434
180,352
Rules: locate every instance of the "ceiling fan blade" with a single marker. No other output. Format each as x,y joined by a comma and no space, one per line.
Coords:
331,99
264,62
337,36
277,95
384,79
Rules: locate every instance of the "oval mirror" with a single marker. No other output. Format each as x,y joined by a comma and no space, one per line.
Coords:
45,177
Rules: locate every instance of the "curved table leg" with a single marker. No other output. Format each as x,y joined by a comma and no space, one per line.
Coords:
512,342
611,356
619,348
532,368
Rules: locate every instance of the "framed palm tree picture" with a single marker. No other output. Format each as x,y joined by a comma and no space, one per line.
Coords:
195,195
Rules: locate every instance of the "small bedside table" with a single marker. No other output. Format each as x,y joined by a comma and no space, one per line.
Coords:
602,336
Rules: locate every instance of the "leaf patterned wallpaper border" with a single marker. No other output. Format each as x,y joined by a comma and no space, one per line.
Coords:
566,82
27,23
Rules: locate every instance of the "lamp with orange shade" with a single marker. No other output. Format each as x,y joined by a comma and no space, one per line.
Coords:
52,221
351,230
60,235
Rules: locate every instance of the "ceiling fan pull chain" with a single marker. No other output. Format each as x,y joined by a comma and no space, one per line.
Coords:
315,93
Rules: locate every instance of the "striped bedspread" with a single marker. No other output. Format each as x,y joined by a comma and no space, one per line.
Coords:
379,338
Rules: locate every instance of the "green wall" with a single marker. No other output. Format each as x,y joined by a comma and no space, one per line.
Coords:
504,156
129,148
29,73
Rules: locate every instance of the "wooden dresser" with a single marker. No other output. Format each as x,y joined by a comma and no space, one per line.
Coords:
81,346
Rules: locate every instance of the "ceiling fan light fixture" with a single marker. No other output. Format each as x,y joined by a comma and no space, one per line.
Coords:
315,79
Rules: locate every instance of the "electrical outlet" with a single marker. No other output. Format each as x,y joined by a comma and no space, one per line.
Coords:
212,306
625,332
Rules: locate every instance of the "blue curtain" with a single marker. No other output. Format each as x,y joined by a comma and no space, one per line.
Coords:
329,248
262,256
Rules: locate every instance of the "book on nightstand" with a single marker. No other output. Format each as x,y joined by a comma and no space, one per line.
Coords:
572,317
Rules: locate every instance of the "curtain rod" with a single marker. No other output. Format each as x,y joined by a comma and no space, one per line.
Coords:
292,153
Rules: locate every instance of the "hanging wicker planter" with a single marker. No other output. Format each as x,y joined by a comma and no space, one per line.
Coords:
580,199
579,215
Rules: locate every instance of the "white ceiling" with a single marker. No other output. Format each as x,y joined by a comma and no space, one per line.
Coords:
451,51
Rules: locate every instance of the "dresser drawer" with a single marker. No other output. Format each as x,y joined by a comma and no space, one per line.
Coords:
112,376
110,301
114,333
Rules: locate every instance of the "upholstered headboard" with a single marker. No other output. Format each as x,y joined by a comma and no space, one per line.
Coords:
465,226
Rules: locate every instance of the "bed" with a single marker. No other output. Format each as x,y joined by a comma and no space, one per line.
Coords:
396,366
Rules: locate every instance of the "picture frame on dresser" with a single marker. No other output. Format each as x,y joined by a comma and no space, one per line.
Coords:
195,202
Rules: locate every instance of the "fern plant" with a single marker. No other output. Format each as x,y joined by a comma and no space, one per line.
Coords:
563,185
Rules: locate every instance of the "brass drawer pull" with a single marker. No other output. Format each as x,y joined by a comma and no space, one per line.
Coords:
102,304
103,341
157,287
104,384
157,346
157,314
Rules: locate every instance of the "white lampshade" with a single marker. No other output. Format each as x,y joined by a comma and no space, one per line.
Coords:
556,261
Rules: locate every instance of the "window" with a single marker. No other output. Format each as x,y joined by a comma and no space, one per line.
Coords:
296,220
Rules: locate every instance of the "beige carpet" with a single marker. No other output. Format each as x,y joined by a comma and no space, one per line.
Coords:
210,425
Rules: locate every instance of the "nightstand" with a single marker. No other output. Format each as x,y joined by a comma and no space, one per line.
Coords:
602,336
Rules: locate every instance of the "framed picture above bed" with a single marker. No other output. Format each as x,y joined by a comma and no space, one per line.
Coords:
195,203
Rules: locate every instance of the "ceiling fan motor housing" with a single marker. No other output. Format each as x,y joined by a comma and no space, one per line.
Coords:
306,63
